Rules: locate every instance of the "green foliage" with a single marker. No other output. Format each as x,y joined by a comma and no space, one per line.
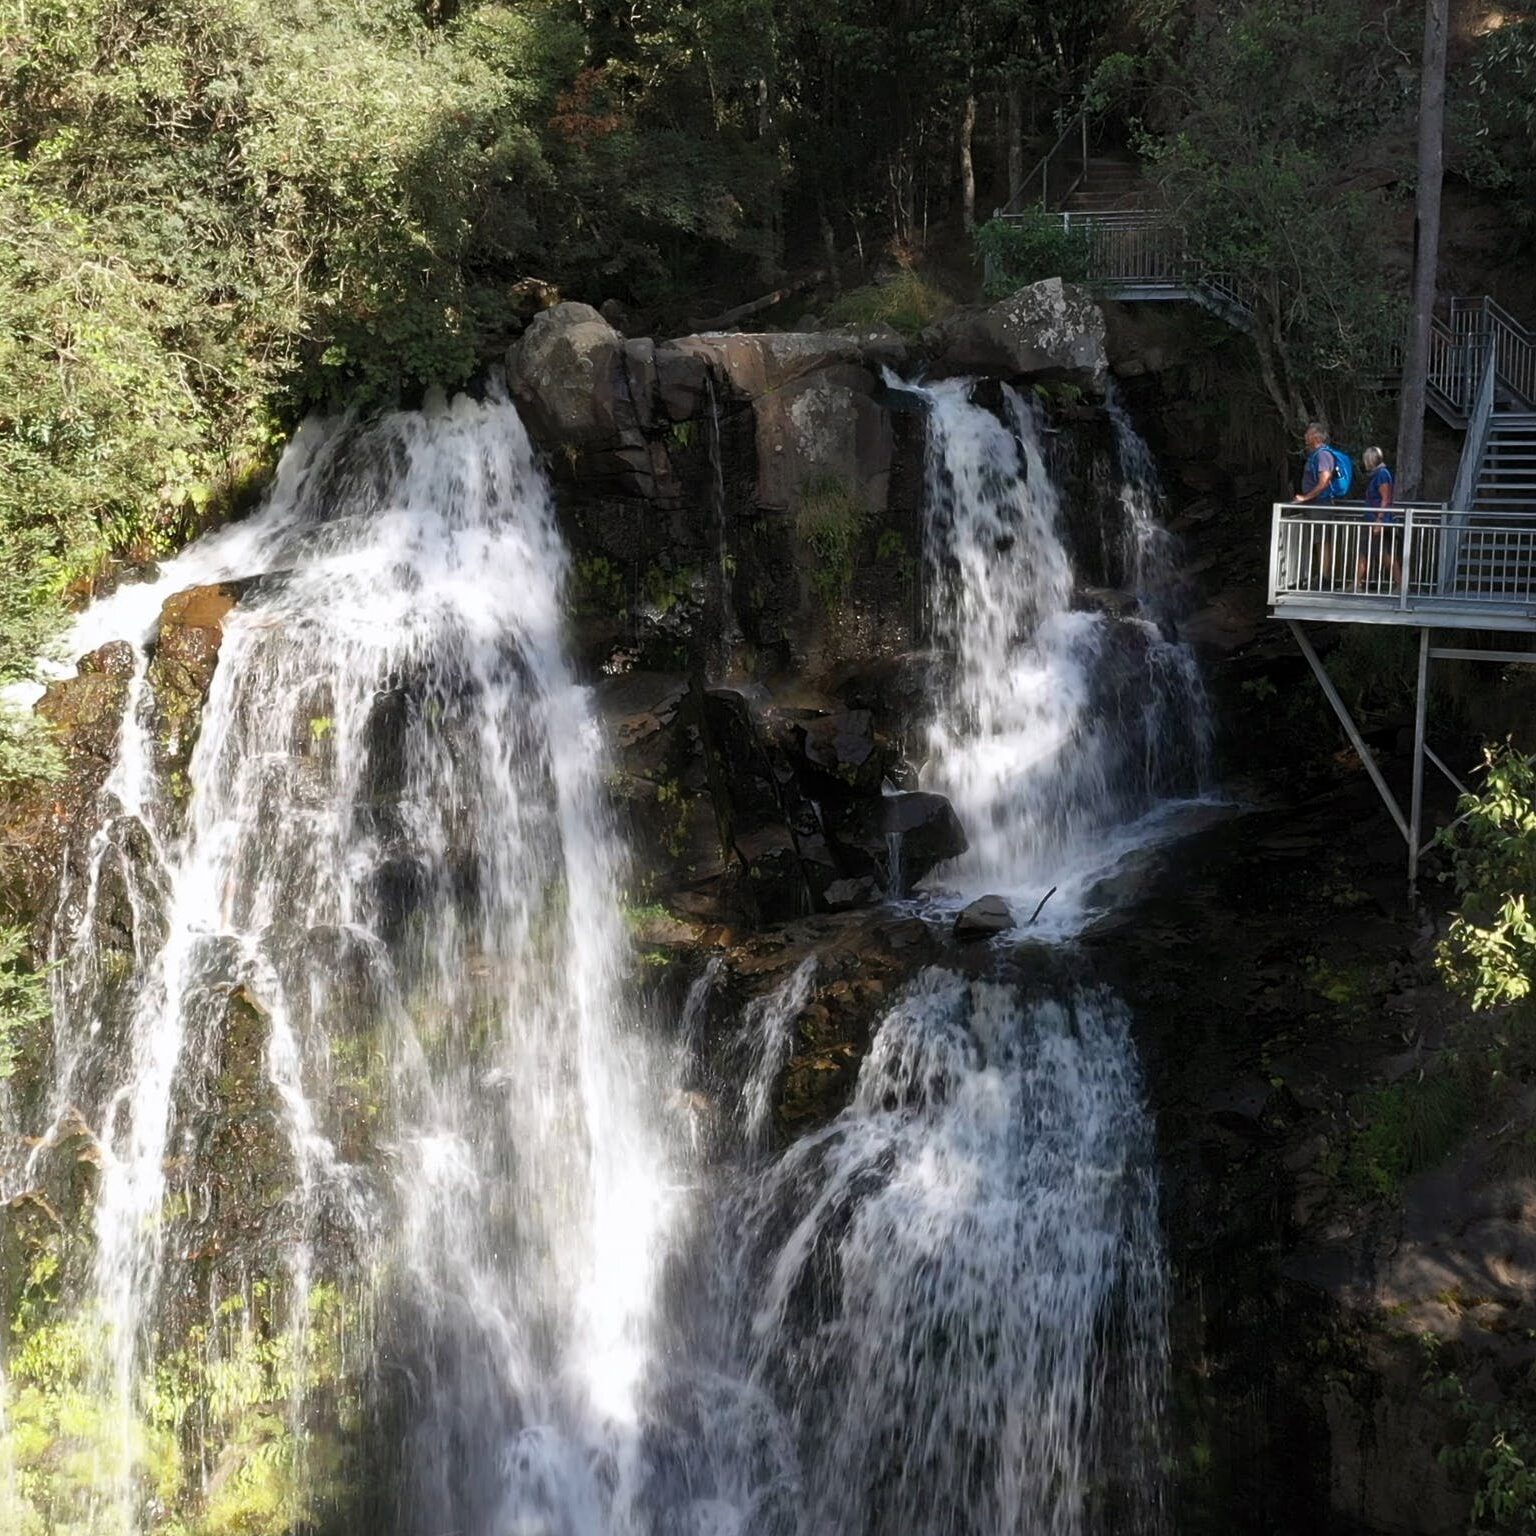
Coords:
1024,250
1251,148
1495,117
905,302
24,1008
231,1386
1489,954
1408,1128
1497,1452
830,521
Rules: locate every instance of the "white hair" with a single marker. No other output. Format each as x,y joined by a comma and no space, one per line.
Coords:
1373,458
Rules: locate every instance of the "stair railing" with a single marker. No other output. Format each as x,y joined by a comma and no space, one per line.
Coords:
1062,169
1514,345
1473,447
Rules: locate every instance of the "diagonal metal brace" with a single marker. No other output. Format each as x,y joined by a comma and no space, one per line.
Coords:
1356,739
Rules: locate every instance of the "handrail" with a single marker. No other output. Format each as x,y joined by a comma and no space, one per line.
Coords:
1053,164
1476,440
1338,558
1514,344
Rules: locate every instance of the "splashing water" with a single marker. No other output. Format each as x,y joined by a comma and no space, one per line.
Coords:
953,1294
395,853
1061,727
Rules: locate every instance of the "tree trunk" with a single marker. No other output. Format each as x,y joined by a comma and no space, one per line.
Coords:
1015,143
968,165
828,241
1426,248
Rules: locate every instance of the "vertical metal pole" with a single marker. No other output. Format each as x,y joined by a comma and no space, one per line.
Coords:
1085,147
1416,803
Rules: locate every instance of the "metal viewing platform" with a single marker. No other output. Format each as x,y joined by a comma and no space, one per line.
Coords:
1437,568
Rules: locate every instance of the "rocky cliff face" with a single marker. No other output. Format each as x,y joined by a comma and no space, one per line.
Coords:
745,518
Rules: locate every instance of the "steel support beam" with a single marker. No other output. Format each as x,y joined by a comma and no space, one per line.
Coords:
1356,739
1508,658
1416,802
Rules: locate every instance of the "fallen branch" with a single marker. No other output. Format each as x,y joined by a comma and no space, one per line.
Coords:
1038,910
756,306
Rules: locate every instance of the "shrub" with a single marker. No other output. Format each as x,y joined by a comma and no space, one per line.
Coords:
830,521
1023,250
906,303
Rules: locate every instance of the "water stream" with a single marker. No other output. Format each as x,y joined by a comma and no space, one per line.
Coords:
1063,728
587,1309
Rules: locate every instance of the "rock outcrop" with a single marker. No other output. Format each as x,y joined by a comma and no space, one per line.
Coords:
1050,330
739,811
84,714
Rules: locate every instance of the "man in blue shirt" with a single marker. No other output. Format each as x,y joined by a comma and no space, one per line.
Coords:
1317,477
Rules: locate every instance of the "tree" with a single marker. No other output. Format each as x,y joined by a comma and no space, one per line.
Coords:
1426,246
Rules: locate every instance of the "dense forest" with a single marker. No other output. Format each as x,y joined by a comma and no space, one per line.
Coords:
217,213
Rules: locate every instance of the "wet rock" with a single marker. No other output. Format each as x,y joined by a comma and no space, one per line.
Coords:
46,822
182,662
821,430
840,752
1049,330
984,918
922,825
844,895
236,1174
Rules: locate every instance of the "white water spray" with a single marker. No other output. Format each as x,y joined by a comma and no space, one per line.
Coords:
1061,727
396,850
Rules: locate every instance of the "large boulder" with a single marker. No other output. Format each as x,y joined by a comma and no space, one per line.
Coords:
1050,330
825,429
564,373
984,918
900,836
839,753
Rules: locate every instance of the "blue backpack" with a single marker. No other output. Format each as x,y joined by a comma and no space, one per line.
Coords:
1343,474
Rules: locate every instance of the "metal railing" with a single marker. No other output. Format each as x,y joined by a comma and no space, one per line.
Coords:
1514,346
1433,558
1460,346
1139,252
1059,173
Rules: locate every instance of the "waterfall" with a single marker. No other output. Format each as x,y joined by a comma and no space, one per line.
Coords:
1148,552
345,1009
1062,727
947,1304
394,857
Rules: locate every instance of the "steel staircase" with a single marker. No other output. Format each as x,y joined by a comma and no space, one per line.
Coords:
1506,475
1481,375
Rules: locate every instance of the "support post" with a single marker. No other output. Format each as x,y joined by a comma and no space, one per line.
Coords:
1416,803
1356,739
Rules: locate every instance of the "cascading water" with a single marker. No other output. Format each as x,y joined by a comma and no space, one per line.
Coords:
1061,726
1148,552
394,852
585,1312
943,1312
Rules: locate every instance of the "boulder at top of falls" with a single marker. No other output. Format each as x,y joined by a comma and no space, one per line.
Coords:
562,373
752,364
1051,330
985,918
